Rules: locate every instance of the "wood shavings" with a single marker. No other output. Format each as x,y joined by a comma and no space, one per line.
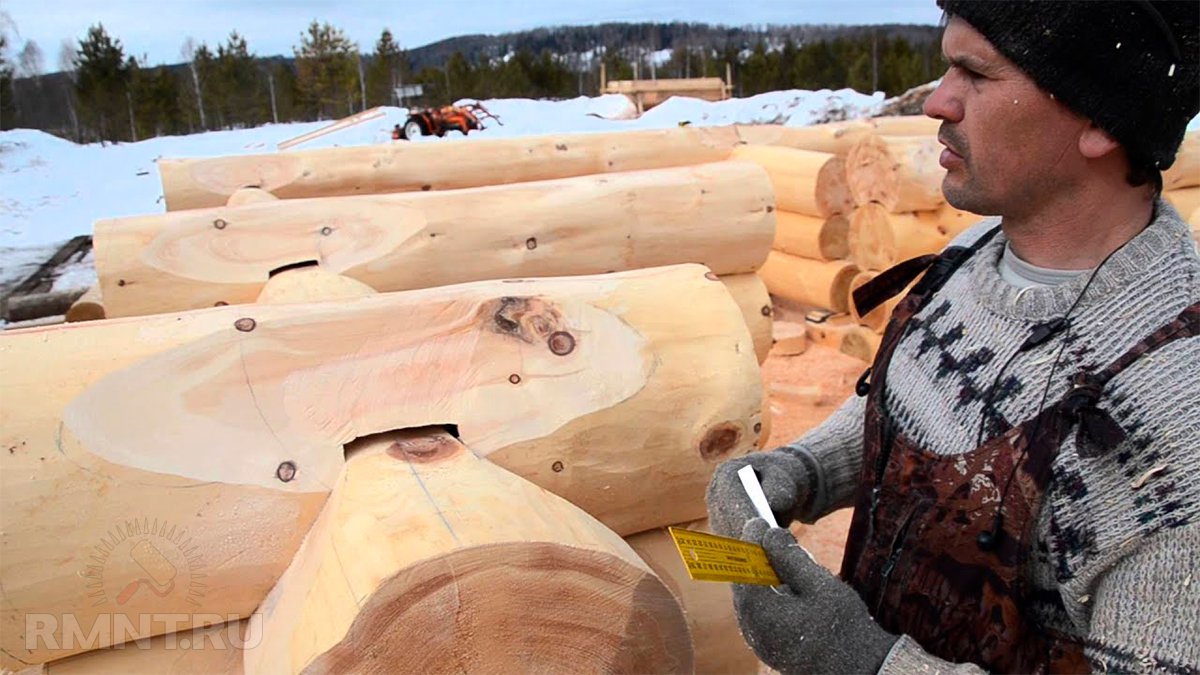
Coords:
1137,484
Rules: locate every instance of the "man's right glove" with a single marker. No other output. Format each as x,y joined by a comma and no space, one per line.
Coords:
814,622
789,480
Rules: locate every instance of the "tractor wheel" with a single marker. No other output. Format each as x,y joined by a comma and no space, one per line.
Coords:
413,129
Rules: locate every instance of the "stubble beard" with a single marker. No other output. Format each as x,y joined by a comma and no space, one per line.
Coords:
962,192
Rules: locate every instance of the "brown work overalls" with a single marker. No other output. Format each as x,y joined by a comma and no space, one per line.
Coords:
914,552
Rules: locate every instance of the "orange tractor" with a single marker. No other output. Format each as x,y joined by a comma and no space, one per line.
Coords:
437,121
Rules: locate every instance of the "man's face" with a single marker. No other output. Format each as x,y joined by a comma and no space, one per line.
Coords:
1009,146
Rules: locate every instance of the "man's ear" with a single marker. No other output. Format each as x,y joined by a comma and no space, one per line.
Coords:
1095,142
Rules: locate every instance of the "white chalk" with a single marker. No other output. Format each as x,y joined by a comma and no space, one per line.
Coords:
757,497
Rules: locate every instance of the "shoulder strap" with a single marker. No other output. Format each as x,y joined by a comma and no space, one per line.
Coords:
1098,431
940,268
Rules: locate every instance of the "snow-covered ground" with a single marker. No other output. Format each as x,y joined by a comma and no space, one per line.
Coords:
52,189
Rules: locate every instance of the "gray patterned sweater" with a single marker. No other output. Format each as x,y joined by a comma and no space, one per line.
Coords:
1119,534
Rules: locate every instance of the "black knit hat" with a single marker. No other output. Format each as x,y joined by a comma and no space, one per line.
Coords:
1131,66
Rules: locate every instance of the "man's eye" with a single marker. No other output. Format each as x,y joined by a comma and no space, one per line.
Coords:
970,74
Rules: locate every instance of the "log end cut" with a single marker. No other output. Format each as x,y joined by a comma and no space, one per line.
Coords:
517,607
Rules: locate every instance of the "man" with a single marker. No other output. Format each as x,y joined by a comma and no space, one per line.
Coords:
1023,456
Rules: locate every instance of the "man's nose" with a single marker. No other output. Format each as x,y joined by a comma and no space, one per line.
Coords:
943,103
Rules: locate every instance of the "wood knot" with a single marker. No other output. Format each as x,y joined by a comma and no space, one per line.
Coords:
562,343
514,378
766,310
531,243
556,467
245,324
326,230
220,223
286,471
422,450
528,319
719,440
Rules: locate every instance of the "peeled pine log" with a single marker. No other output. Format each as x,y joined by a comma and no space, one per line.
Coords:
789,338
862,343
900,172
750,293
428,556
879,240
1185,200
311,284
450,165
720,648
213,650
955,221
1185,172
870,238
834,138
807,182
764,431
905,125
89,306
18,308
250,195
877,319
216,434
717,214
809,237
812,283
842,332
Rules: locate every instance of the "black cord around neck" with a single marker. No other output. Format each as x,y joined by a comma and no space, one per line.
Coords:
1041,334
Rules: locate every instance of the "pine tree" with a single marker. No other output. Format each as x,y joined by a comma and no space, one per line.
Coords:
326,71
389,68
7,110
101,86
237,84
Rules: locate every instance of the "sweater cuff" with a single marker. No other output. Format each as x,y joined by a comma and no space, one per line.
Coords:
835,449
907,657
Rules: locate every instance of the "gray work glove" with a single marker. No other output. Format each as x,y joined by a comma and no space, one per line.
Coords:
815,623
789,480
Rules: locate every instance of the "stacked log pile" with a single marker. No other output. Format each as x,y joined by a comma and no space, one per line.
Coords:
1181,183
384,414
855,198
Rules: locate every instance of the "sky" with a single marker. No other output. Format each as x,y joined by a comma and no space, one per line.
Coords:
157,29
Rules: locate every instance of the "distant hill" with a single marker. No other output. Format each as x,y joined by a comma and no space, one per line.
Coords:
627,37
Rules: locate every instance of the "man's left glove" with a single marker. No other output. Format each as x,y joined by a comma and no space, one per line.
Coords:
815,623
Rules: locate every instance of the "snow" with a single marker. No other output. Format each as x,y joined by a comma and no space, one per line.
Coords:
76,274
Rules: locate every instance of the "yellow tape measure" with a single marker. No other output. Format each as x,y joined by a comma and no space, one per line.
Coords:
709,557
